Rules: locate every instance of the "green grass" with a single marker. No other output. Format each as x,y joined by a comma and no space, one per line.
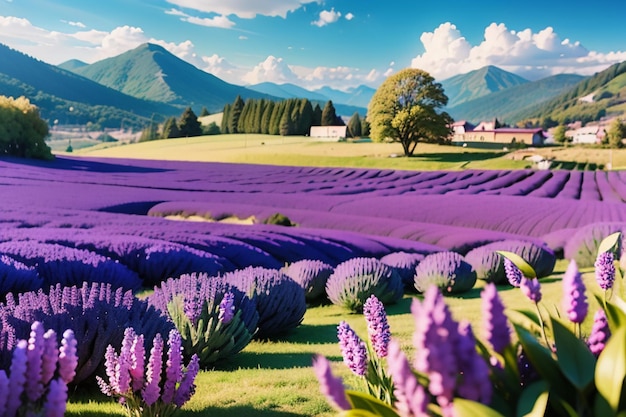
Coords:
274,378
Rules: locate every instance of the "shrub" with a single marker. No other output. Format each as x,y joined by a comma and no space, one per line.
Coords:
354,280
279,299
22,130
489,265
404,263
583,245
279,219
448,271
57,264
95,312
311,275
15,277
215,319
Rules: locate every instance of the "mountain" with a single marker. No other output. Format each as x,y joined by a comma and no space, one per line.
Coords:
150,72
65,96
72,64
478,83
514,103
286,91
358,96
603,94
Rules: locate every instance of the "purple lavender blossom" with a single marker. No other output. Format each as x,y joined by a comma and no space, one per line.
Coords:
495,326
513,273
434,340
34,386
124,362
411,399
474,384
17,377
174,367
68,358
377,325
605,270
50,356
531,289
353,349
4,392
137,357
600,333
574,299
110,362
187,386
152,391
56,400
331,386
227,308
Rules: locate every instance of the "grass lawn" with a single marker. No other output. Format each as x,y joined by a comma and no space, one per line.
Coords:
275,378
304,151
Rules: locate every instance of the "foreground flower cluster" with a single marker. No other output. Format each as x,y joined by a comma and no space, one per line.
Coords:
545,367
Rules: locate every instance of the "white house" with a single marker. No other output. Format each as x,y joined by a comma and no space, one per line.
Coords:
587,134
335,133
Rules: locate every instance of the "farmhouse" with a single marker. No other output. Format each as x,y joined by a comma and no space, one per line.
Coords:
333,133
487,132
587,134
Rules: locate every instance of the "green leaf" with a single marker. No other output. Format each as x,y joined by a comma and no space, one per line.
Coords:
519,262
525,318
362,401
611,369
614,309
534,400
467,408
357,413
609,243
574,357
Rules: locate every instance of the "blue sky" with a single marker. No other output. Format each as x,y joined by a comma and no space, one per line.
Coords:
341,43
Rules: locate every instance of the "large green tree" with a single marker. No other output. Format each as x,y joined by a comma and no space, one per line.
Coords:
329,115
617,132
22,131
170,129
559,134
406,108
235,114
354,125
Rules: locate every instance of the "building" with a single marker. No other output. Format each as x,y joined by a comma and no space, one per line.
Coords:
486,133
333,133
587,134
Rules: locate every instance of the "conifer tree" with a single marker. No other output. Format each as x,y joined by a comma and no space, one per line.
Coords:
277,115
258,114
204,112
306,117
189,125
170,129
329,116
243,122
317,116
226,119
354,125
265,119
235,114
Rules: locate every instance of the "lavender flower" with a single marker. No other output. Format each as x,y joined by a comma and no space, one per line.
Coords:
56,400
496,329
124,363
531,289
474,384
152,391
174,367
331,386
411,399
435,339
377,325
605,270
353,349
600,333
4,392
227,308
50,356
513,273
17,377
187,386
137,357
34,386
574,299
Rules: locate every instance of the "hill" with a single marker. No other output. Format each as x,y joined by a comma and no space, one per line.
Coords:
514,103
358,96
72,64
603,94
481,82
65,96
150,72
286,90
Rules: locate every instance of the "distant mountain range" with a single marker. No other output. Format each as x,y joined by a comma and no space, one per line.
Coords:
149,82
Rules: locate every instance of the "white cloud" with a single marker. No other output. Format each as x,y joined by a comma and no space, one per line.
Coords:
216,22
76,24
349,16
531,55
242,37
327,17
244,9
271,70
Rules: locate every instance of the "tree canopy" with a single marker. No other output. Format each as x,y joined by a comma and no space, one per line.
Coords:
405,109
189,125
22,130
617,132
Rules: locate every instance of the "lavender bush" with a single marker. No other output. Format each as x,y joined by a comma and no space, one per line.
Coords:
215,319
355,280
447,271
96,313
39,373
312,276
584,244
489,266
404,263
279,299
154,385
15,277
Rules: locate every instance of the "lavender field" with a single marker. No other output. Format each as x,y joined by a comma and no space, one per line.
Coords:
80,237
